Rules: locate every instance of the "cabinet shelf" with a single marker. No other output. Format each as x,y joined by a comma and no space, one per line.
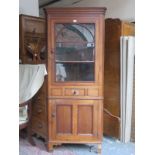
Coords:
71,42
57,61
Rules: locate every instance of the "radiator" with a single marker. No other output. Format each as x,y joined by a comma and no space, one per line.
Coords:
127,44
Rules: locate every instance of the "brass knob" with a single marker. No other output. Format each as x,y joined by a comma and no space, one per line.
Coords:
74,92
52,51
53,114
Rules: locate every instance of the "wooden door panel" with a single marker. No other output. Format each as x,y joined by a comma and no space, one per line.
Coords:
85,119
64,119
74,119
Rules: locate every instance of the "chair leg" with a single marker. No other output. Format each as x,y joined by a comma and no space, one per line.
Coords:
22,134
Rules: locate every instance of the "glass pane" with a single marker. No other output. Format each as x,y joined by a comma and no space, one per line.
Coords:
75,72
75,52
75,32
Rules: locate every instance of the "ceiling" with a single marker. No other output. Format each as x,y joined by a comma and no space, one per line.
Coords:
47,3
123,9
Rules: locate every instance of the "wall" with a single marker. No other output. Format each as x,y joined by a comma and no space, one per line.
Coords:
123,9
29,7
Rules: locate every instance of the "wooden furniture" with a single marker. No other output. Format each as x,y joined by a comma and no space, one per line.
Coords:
33,51
27,123
114,28
75,75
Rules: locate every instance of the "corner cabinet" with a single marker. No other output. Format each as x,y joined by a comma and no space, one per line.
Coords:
75,39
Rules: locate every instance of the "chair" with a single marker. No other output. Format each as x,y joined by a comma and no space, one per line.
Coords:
31,78
25,111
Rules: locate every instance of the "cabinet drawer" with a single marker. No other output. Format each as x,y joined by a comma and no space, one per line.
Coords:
40,100
56,92
39,126
94,92
39,111
74,92
42,91
40,95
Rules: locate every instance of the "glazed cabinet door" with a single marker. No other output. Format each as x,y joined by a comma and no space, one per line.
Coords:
73,120
74,56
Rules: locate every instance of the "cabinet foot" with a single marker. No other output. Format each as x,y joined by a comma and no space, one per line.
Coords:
49,147
99,149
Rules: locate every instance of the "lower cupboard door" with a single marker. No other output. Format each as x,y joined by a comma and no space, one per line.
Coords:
74,120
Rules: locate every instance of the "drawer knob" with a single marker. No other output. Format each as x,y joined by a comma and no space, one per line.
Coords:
40,126
38,98
39,110
53,114
75,92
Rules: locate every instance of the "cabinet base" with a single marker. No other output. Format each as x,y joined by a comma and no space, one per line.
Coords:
50,146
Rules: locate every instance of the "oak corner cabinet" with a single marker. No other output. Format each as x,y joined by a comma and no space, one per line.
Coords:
75,39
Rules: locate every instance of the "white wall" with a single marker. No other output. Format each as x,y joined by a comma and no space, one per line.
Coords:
29,7
123,9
